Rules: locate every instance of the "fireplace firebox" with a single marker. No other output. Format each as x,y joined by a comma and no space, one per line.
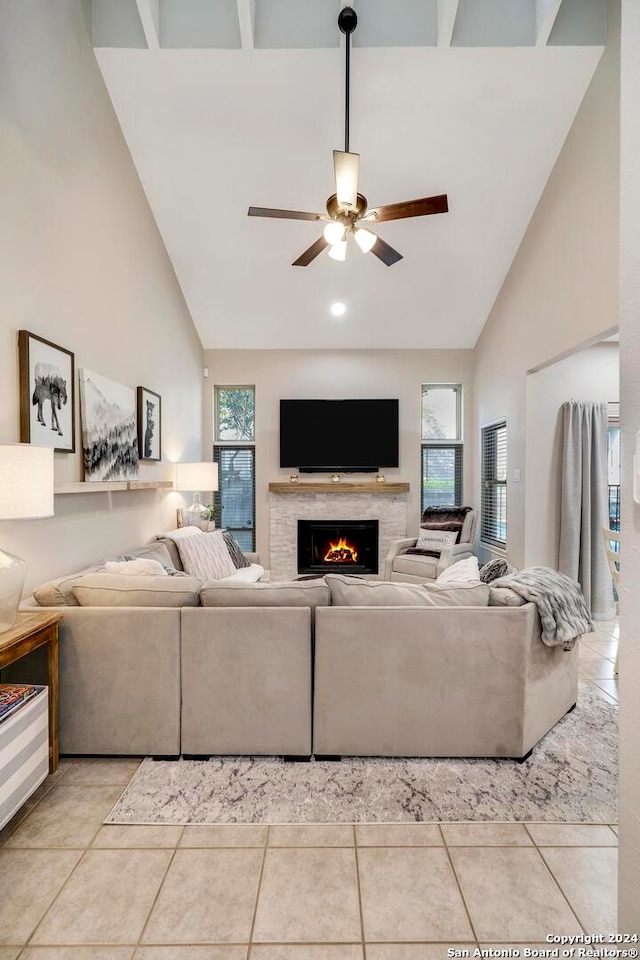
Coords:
338,546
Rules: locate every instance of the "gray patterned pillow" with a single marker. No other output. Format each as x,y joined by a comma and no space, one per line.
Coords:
236,554
496,568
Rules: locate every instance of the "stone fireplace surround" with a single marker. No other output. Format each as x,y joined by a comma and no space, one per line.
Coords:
290,502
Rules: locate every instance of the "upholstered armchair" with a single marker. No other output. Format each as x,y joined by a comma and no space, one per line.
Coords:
416,568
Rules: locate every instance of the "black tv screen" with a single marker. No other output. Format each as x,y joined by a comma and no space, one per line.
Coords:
338,435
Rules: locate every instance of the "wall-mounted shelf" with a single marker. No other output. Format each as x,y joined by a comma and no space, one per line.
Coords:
329,487
112,486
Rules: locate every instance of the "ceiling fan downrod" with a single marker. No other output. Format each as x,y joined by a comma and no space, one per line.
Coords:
347,21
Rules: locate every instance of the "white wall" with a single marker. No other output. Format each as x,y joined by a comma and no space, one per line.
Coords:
629,877
562,288
82,264
333,374
591,374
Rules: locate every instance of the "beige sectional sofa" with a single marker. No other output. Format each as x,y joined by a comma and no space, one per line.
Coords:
276,669
437,682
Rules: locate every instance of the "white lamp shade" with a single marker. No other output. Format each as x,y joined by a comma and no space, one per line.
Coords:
26,481
193,477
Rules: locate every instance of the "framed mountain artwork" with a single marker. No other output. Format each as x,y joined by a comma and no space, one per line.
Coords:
109,432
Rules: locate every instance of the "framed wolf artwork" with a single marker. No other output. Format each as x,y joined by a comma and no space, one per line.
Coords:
47,393
149,424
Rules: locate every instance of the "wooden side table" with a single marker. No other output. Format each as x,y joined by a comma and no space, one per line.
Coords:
33,630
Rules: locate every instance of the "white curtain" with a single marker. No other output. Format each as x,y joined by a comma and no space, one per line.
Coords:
584,505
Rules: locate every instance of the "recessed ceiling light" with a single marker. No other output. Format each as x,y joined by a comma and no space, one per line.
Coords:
338,309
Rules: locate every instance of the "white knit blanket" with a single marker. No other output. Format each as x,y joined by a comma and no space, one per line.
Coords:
563,612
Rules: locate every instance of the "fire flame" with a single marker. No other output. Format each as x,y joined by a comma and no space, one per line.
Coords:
341,552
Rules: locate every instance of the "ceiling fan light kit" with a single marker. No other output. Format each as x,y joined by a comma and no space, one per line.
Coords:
364,238
346,208
338,250
334,232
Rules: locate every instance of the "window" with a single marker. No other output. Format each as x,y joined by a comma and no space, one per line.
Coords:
441,475
234,452
235,414
441,411
442,450
494,484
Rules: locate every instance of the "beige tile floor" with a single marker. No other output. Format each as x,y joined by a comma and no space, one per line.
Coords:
73,889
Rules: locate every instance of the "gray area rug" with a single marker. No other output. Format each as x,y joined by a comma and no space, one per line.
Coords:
570,777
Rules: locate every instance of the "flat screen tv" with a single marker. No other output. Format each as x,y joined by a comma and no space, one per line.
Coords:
354,436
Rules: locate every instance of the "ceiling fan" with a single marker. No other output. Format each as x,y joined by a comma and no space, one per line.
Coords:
347,210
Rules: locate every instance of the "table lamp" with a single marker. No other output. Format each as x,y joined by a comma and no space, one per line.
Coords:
26,492
193,478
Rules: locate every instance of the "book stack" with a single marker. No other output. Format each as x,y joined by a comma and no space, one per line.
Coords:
13,696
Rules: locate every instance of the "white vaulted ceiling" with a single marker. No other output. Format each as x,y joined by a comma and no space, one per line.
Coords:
217,129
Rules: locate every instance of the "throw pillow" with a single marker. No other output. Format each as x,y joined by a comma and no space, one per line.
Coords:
495,569
138,567
454,525
206,557
235,552
463,571
180,533
435,541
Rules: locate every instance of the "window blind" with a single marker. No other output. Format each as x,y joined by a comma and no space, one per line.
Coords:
493,522
441,475
235,498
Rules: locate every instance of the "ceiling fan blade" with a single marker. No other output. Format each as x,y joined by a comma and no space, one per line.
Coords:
386,253
314,250
409,208
283,214
346,167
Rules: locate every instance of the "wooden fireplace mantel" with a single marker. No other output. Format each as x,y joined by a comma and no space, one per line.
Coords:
326,486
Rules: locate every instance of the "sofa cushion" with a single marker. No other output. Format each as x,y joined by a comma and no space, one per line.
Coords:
298,593
113,590
59,592
461,572
505,597
206,557
354,592
416,565
235,552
